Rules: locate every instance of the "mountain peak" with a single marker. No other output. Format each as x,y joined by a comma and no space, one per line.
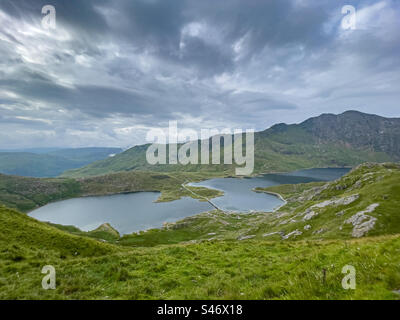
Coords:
356,112
358,129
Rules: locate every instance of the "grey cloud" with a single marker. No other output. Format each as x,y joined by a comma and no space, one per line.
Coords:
124,66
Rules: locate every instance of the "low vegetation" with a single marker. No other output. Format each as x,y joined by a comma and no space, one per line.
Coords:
254,269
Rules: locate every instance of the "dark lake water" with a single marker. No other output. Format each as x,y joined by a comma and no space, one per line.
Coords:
137,211
238,194
125,212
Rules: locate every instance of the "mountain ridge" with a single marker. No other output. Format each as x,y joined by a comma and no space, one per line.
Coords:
347,139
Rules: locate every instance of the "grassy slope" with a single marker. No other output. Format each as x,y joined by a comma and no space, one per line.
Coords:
256,269
105,232
26,194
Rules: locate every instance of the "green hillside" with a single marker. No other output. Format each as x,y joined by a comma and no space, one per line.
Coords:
220,256
325,141
51,163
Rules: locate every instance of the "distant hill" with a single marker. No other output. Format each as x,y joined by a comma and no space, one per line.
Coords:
31,150
51,163
328,140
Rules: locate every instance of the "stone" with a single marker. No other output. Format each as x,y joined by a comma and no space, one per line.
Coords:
310,215
273,233
319,231
337,202
294,233
245,237
362,222
283,222
340,213
223,222
307,227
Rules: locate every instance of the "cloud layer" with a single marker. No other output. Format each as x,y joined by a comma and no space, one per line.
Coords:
111,70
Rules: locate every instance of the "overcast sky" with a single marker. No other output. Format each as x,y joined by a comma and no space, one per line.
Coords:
111,70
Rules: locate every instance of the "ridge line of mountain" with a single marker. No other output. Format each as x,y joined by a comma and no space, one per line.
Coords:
328,140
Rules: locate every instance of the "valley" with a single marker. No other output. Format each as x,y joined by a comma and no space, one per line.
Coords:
318,221
264,256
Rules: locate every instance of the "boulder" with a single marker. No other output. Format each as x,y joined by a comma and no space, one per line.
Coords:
245,237
273,233
310,215
294,233
319,231
362,222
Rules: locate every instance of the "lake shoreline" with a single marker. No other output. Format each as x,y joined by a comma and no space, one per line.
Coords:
273,194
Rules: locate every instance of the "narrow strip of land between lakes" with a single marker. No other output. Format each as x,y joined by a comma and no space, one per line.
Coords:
199,196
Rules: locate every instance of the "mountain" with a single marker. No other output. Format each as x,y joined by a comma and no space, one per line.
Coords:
358,129
328,140
51,163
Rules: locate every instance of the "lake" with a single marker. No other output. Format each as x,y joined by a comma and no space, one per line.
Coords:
126,213
238,194
138,211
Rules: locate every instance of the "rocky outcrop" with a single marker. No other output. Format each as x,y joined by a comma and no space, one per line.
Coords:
294,233
337,202
287,221
362,222
309,215
322,230
311,212
245,237
274,233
